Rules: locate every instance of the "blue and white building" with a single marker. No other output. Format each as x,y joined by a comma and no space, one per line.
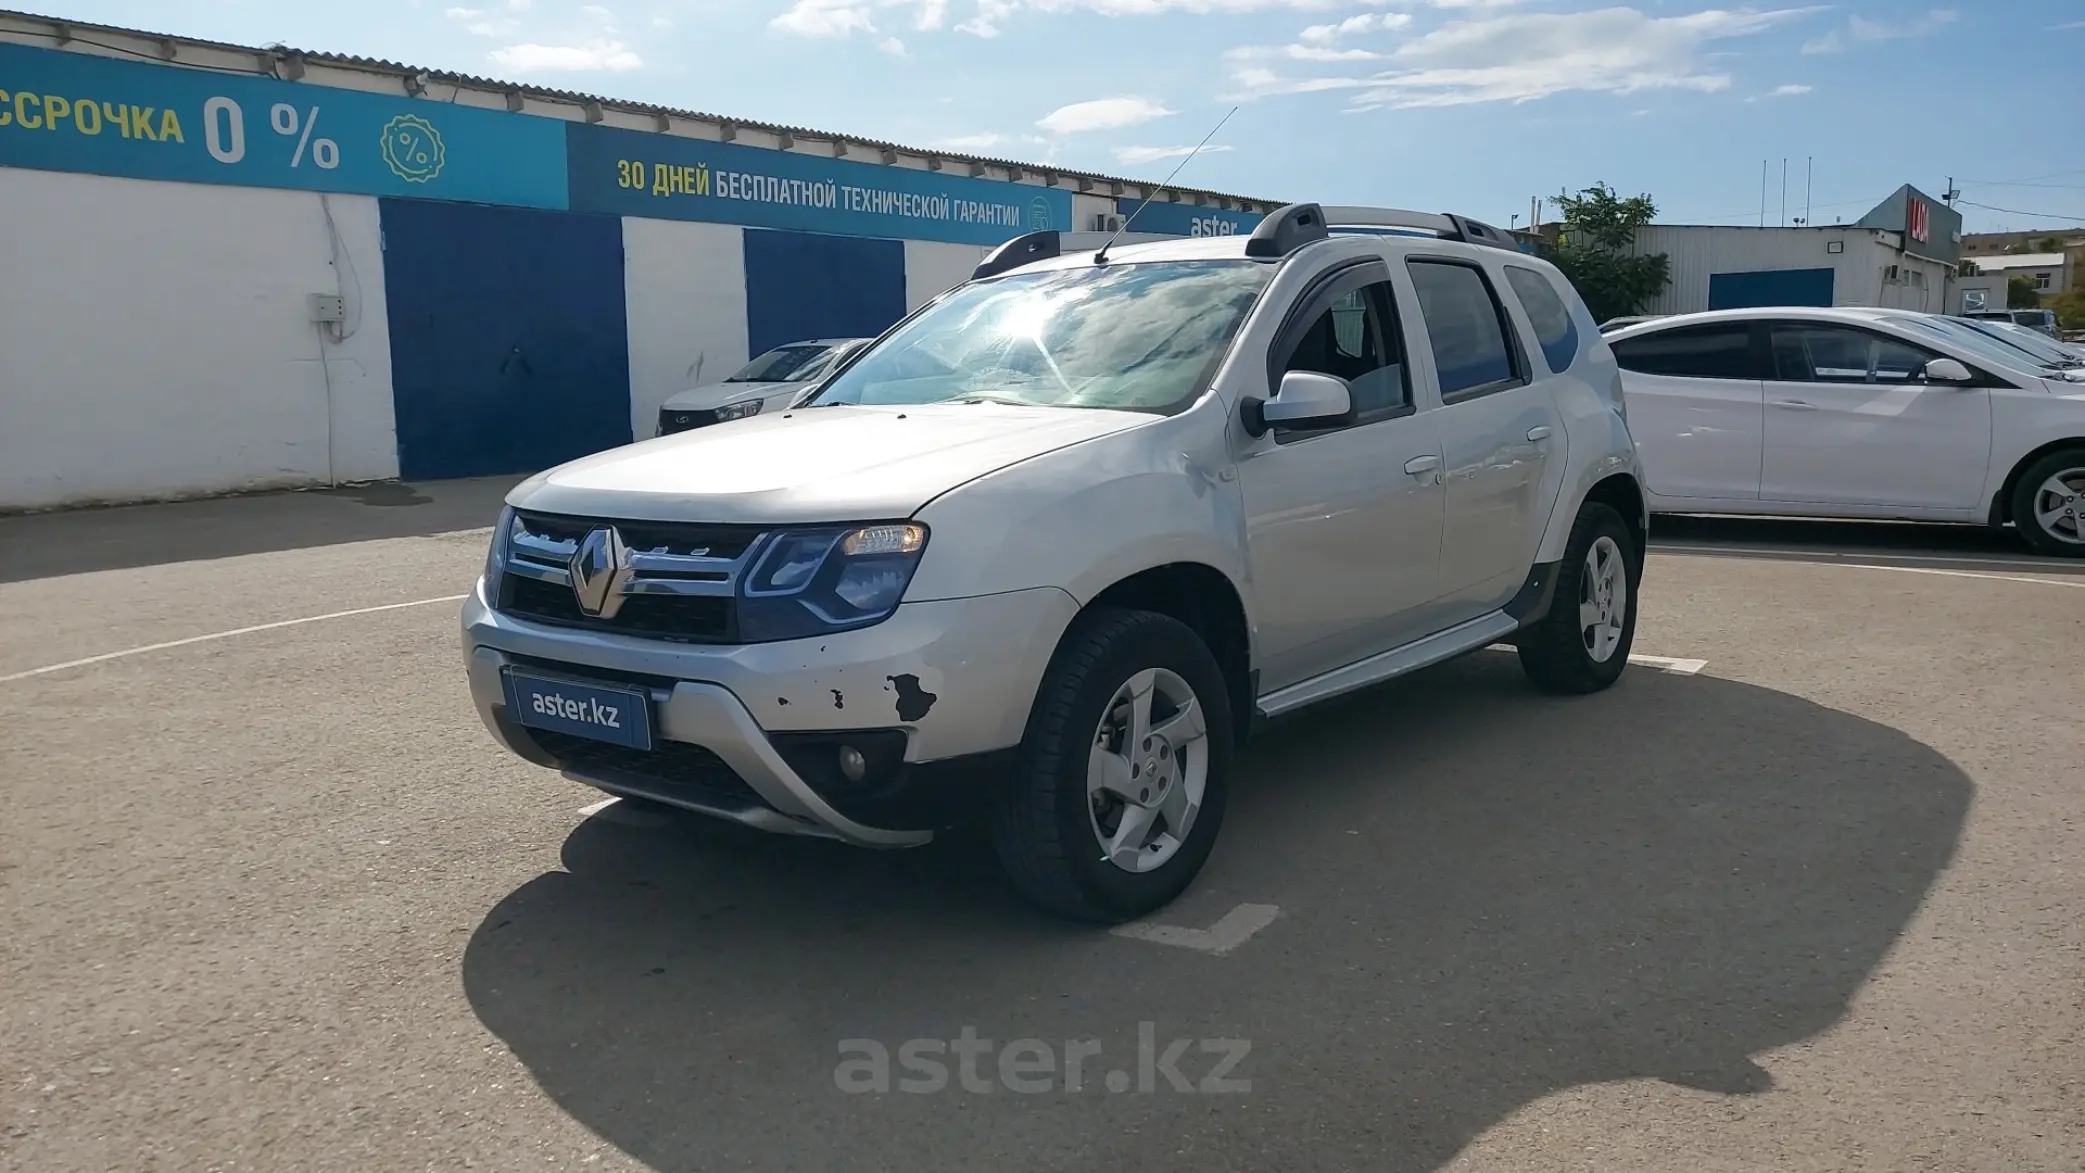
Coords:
227,268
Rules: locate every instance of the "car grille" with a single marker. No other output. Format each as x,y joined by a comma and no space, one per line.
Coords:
680,421
682,585
675,768
681,618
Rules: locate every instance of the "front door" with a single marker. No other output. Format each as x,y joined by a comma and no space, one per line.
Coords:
1500,434
1851,420
1344,524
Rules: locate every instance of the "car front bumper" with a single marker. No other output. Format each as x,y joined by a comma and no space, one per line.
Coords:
954,678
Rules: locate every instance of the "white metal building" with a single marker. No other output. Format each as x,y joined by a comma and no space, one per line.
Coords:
1902,254
230,267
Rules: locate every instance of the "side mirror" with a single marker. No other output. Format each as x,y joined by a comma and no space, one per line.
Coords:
1947,370
1309,400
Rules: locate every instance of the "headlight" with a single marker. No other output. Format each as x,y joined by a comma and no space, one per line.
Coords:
496,553
739,411
813,581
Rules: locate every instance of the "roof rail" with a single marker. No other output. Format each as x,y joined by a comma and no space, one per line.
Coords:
1290,228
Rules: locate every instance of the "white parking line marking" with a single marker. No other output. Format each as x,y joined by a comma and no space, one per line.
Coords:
197,639
1675,667
1236,928
1777,553
1972,574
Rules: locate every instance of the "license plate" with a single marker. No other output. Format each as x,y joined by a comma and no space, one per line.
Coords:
621,716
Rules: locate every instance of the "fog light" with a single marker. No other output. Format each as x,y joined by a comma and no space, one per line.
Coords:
852,764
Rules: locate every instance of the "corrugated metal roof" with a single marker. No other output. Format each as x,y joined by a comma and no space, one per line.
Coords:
577,97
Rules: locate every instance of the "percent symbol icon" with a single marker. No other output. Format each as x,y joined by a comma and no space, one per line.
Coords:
286,121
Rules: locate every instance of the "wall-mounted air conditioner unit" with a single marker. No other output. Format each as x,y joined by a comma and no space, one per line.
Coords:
1103,222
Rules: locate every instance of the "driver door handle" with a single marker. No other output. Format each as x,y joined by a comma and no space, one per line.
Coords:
1795,405
1419,466
1538,433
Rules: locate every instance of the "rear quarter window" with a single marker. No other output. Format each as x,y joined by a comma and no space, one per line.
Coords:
1549,313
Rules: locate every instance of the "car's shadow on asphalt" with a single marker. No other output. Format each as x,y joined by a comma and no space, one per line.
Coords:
1488,896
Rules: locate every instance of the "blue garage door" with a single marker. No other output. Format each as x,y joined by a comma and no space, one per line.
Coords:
802,285
1737,291
509,346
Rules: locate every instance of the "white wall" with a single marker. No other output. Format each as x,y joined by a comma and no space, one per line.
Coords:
156,341
1857,269
933,268
685,284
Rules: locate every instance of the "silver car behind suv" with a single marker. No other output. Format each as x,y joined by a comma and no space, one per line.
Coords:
1044,553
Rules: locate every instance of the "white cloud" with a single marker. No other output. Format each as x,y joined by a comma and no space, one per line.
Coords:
1367,22
1522,58
481,23
892,46
2067,26
1788,91
972,142
826,18
1863,29
1101,114
1138,156
612,56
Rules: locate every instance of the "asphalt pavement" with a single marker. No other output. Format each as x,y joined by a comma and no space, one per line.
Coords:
274,900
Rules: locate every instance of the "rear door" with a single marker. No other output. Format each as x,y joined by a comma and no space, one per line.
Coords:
1500,431
1696,409
1851,420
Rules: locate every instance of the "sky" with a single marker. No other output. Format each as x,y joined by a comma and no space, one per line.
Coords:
1469,106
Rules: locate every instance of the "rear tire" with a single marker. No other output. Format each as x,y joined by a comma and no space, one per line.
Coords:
2049,504
1087,829
1581,644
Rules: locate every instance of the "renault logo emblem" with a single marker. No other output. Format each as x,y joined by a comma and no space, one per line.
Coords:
600,569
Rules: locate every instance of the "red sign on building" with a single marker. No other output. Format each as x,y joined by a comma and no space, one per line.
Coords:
1918,220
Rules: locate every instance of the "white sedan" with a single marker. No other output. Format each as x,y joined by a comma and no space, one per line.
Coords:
1860,413
771,381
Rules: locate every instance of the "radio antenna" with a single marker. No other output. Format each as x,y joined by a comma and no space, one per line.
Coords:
1101,257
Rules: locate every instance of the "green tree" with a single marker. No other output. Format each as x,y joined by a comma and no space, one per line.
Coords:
2020,294
1967,268
2048,244
2070,309
1591,248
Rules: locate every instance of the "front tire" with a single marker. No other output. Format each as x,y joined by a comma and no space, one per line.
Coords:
1582,643
2049,504
1123,775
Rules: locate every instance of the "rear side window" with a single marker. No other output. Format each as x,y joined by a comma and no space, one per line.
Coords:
1838,354
1466,327
1547,312
1692,352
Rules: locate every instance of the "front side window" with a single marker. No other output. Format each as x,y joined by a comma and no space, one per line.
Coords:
1354,341
1839,354
1134,337
1466,327
1547,312
1722,351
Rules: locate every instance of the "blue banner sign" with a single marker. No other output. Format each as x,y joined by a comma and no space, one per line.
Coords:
1185,219
62,111
665,177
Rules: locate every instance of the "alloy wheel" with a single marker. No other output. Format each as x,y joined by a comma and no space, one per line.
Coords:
1603,599
2059,506
1147,770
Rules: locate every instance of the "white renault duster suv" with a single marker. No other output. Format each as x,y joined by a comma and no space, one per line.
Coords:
1042,554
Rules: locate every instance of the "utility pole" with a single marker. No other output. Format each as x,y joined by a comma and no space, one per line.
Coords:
1809,180
1784,191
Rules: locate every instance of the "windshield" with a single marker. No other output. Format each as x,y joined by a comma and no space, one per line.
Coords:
2035,344
1969,338
782,364
1136,337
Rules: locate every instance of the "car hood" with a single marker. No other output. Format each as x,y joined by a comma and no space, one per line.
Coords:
715,395
841,463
